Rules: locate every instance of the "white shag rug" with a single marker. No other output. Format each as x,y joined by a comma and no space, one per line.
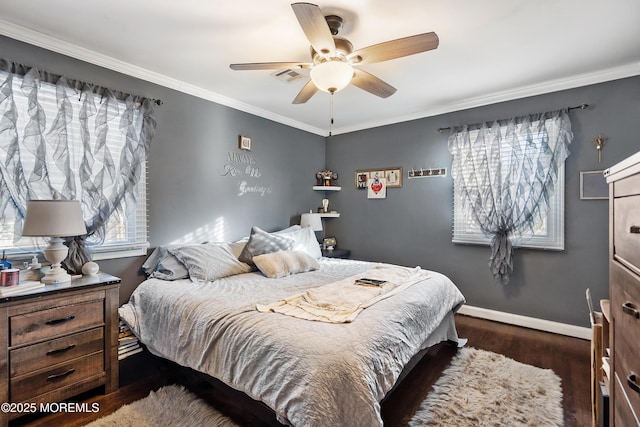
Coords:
481,388
478,389
170,406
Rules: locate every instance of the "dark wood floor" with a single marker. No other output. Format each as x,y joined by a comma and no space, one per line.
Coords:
567,357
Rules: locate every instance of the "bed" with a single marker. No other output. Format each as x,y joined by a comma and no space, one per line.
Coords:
309,372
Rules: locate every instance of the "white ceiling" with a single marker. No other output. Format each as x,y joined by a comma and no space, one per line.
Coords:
490,51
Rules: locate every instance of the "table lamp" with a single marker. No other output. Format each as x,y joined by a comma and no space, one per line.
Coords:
311,220
54,219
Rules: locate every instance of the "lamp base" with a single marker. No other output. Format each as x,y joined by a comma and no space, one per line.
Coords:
56,275
55,253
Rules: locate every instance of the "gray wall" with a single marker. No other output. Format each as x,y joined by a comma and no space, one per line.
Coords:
412,226
190,200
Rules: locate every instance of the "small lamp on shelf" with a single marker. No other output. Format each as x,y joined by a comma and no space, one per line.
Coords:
54,219
311,220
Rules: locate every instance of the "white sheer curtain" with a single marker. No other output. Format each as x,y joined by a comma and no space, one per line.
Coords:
506,176
73,143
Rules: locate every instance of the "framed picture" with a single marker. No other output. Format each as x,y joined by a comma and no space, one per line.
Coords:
393,177
376,187
361,180
593,186
244,143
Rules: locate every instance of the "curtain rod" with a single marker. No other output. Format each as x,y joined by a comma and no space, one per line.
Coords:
579,107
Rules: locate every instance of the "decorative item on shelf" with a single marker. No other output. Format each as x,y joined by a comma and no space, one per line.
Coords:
427,173
599,144
54,219
90,268
326,178
325,206
329,243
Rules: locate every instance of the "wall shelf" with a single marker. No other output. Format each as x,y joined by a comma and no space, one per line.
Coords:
326,188
330,215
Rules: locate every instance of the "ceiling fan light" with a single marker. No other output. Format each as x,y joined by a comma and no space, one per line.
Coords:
332,76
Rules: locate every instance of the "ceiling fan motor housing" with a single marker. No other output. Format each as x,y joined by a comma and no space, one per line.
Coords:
343,49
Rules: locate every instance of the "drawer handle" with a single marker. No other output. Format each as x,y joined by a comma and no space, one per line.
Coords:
60,350
58,321
629,309
62,375
633,382
634,229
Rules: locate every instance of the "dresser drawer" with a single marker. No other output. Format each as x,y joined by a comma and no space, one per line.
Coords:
623,415
28,386
625,309
38,356
626,230
32,327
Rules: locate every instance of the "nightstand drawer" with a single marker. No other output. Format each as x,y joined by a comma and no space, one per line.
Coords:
38,356
25,387
31,327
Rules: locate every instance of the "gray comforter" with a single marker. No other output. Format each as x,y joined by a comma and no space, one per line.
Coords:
310,373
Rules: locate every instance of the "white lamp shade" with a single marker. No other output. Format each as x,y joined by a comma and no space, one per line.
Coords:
332,76
53,218
311,220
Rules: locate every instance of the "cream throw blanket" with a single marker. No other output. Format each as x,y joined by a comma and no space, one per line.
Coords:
342,301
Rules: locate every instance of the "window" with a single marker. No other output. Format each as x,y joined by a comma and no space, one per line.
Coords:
125,233
548,229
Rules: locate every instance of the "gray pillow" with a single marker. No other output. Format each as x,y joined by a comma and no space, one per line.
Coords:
162,264
260,242
209,262
285,263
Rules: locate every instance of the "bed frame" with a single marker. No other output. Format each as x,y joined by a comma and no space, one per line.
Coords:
413,385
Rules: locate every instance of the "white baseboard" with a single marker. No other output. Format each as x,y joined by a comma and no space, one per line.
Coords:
527,322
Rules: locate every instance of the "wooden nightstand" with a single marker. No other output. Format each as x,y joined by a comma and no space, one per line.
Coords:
336,253
57,342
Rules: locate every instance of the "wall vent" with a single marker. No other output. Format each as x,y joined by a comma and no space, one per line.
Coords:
287,75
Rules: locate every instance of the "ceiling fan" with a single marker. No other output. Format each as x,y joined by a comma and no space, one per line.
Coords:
334,64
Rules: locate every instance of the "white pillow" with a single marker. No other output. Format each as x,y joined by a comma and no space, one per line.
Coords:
285,263
305,241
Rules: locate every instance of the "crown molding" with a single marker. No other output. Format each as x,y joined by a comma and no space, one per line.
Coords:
69,49
550,86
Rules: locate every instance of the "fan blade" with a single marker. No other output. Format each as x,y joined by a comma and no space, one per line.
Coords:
315,27
269,66
305,93
370,83
395,49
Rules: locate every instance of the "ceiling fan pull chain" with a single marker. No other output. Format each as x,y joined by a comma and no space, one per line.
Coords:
331,114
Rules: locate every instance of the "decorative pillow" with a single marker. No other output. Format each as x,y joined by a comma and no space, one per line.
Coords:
285,263
209,262
162,264
260,242
305,241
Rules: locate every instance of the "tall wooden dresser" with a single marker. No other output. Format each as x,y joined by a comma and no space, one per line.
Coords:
624,288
